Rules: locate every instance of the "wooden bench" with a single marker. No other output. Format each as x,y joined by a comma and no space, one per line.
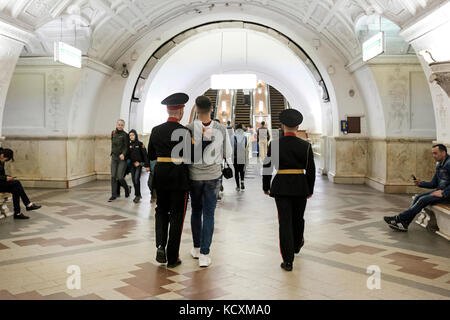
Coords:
5,214
436,218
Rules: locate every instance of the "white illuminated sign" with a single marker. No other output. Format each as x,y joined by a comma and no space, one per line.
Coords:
373,47
67,54
233,81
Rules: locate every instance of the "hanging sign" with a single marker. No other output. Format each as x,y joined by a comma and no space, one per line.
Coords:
373,47
67,54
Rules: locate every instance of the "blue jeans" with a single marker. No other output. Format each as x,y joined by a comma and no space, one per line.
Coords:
420,202
203,200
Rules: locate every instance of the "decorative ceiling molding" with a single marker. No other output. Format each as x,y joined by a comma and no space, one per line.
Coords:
115,25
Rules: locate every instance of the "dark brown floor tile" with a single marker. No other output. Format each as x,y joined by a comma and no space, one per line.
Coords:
415,265
29,242
91,296
203,295
6,295
133,292
59,296
32,295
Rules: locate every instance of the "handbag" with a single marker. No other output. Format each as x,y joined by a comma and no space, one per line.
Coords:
227,172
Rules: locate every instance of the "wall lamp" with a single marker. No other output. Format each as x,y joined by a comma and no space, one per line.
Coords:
125,72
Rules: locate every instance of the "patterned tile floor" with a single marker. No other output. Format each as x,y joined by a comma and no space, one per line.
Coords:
113,245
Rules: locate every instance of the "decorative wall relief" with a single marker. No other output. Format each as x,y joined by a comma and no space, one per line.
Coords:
55,93
398,102
443,115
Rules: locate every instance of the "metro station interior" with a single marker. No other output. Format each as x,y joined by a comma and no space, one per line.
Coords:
372,123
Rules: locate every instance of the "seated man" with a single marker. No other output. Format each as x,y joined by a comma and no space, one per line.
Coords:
9,185
440,182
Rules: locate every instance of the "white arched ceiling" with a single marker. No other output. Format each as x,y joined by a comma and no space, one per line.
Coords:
116,25
188,68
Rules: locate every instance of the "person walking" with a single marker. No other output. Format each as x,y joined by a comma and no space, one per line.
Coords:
137,155
170,179
292,186
263,138
211,145
119,149
239,156
9,184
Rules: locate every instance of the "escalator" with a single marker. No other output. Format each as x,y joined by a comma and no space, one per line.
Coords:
212,95
242,108
276,107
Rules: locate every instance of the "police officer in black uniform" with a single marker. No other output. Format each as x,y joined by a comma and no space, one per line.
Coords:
171,179
292,186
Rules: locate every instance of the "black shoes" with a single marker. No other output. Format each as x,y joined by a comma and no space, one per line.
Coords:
286,266
137,199
161,255
301,245
127,191
393,223
112,198
21,216
242,185
173,265
33,207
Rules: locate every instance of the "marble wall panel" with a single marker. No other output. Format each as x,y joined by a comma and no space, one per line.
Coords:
102,155
351,157
81,157
52,159
376,160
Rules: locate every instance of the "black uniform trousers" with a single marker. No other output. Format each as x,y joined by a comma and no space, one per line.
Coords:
169,219
291,225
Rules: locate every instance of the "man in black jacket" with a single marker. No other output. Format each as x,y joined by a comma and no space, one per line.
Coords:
171,179
10,185
293,184
119,149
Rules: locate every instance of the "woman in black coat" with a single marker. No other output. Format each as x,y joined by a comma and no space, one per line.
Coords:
137,155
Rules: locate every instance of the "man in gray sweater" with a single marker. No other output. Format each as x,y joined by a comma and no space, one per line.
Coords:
211,146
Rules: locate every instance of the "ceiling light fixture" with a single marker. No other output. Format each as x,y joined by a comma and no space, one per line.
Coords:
233,81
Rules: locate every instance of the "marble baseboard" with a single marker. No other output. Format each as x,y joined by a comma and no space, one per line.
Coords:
58,184
387,187
103,176
340,179
80,180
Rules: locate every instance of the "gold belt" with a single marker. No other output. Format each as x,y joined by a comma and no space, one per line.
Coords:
168,159
291,171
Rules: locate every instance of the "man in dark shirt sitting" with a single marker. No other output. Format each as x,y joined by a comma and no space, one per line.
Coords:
441,184
10,185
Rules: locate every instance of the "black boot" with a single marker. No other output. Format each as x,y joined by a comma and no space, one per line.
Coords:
127,191
286,266
301,245
161,255
33,207
20,216
175,264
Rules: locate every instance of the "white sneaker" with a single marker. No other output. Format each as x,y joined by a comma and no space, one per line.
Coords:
204,260
195,253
